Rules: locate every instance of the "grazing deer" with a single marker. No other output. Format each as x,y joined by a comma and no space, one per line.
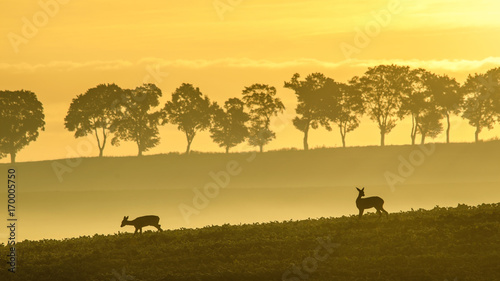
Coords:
370,202
141,222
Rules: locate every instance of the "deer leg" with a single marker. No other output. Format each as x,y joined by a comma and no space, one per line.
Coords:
379,213
136,230
361,212
386,213
140,229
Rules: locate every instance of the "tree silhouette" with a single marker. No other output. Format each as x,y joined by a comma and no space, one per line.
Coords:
310,107
21,118
228,128
345,107
480,101
260,100
137,121
94,113
190,111
448,97
492,82
430,124
417,100
383,87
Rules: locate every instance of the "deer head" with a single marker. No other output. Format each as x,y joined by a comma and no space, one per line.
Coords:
361,192
124,221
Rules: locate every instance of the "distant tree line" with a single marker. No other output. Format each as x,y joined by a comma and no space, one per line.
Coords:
384,93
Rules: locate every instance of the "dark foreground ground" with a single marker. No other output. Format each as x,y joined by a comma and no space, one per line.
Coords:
461,243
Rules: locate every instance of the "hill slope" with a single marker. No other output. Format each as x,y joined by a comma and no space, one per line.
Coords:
461,243
331,167
94,194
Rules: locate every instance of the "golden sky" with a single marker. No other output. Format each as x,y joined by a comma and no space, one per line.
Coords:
59,49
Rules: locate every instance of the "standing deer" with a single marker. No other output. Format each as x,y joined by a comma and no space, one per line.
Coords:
370,202
141,222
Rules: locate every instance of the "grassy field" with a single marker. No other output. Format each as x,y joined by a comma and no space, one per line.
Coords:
461,243
73,197
69,198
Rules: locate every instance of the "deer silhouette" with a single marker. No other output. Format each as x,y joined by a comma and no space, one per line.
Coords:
141,222
370,202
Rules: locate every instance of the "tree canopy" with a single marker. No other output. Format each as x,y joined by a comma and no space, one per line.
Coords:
229,124
480,103
21,119
448,97
261,100
311,106
383,87
345,106
385,93
94,113
189,110
138,121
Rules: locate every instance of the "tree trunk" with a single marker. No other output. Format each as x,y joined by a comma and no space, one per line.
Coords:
306,134
478,130
12,157
189,138
422,141
382,138
101,148
227,149
261,148
342,134
414,126
139,148
448,128
104,138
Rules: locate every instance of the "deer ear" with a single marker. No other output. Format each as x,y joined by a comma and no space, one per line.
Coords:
358,189
363,189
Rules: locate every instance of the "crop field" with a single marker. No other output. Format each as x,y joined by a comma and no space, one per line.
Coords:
461,243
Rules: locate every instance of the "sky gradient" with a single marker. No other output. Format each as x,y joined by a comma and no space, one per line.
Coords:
60,49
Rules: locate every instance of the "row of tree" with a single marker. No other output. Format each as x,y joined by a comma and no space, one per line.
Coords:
385,93
388,93
130,115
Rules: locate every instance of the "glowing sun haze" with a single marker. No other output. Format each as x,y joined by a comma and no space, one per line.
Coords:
63,49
